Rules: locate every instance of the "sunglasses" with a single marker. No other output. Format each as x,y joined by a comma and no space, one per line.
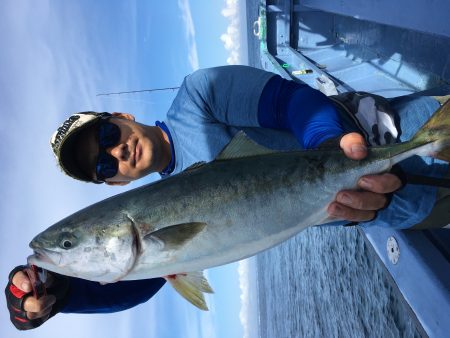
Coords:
108,136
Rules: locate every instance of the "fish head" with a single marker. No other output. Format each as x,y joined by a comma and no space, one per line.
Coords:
93,247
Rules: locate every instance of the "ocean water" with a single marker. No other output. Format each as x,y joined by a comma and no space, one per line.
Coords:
325,282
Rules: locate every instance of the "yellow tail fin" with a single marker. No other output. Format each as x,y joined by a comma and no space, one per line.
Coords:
437,129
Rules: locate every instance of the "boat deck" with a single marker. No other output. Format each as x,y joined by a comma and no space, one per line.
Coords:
390,49
357,54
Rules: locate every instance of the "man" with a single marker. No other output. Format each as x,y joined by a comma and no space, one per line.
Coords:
211,106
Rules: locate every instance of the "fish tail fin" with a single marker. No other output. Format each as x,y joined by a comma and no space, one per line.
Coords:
191,286
437,131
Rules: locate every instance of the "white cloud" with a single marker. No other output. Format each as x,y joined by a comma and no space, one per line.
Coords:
54,62
235,34
51,71
190,33
49,67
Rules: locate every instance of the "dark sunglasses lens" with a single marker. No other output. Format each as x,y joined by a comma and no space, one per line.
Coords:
108,135
107,166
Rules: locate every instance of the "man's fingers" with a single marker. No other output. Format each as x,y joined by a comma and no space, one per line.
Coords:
361,200
43,314
21,281
32,304
340,211
382,184
358,206
354,146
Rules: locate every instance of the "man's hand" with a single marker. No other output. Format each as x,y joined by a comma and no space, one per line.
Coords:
26,311
357,206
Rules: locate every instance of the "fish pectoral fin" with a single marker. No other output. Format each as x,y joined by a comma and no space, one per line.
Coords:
177,235
191,286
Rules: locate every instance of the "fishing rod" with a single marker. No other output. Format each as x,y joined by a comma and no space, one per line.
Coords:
138,91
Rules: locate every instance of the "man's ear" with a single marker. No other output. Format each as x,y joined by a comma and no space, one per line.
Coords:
117,183
124,116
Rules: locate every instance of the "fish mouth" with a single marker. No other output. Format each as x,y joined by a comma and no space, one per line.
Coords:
41,257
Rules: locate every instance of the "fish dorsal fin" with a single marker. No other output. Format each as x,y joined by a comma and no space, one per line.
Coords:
175,236
195,165
191,286
242,146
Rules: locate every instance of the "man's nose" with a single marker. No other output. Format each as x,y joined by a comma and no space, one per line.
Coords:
119,151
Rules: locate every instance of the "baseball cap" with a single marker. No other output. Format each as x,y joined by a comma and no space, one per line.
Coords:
65,138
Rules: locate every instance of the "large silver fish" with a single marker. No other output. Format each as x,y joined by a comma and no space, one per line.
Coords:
248,200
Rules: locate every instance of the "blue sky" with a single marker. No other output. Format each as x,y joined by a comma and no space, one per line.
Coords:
56,56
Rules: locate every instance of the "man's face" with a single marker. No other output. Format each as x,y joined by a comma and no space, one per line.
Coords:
136,152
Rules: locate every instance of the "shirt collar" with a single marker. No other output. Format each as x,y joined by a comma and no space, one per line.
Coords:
167,170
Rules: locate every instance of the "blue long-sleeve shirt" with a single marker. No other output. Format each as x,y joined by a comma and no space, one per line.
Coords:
92,297
211,106
306,112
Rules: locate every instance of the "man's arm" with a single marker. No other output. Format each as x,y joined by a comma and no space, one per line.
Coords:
92,297
72,295
241,96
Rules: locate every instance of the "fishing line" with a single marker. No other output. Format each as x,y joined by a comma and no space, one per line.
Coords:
135,92
139,91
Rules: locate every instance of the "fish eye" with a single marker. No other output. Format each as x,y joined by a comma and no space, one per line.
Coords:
67,241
